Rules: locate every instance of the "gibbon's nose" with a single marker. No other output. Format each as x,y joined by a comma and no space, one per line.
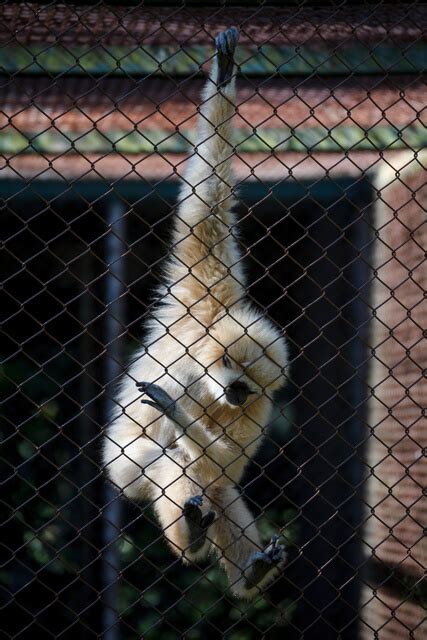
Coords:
237,392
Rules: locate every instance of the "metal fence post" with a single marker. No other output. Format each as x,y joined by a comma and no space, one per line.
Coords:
114,304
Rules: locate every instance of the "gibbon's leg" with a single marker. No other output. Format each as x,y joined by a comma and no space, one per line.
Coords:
131,461
191,538
184,523
197,523
142,469
235,539
261,563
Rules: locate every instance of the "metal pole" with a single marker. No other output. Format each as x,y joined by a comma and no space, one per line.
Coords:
114,300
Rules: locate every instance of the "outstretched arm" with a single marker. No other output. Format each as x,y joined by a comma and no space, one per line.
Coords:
205,261
208,170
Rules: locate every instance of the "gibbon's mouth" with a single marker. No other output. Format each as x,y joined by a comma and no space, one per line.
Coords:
237,393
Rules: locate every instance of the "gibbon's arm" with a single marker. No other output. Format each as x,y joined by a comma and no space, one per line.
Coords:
204,272
193,436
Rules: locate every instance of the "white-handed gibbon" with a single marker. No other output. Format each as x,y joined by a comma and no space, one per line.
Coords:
211,360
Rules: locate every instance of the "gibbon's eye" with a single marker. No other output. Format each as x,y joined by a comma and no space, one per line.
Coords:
226,361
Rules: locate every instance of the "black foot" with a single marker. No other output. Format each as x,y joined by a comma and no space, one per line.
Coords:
159,399
197,523
225,45
262,562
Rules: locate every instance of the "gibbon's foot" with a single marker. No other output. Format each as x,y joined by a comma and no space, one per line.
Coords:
262,562
225,43
197,523
159,399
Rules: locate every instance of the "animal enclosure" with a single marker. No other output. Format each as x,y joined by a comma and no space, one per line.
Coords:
98,110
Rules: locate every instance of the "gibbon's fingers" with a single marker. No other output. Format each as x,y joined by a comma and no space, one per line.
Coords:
160,399
225,43
152,404
193,436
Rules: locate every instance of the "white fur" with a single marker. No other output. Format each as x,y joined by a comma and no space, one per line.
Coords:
203,313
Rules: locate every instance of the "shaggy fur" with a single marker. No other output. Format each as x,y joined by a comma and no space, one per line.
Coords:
203,316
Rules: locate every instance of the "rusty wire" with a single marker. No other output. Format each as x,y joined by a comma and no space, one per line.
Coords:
97,110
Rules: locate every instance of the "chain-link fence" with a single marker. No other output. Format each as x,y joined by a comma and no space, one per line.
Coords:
101,108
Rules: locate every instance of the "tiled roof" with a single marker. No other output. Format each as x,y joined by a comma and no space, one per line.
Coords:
68,24
154,166
134,117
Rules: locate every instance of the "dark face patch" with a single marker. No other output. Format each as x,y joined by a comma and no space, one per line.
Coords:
237,392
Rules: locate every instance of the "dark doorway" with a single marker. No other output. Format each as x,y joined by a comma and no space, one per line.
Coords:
305,247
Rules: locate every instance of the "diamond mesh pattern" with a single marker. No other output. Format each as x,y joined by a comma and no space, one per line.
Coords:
98,109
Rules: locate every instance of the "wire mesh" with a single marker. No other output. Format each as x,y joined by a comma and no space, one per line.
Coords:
99,105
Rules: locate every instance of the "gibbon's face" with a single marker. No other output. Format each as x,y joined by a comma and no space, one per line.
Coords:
242,382
238,388
248,366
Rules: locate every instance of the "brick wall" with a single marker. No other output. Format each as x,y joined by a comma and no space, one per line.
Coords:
397,416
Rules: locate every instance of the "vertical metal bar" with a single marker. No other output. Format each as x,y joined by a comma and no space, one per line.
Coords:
114,301
88,475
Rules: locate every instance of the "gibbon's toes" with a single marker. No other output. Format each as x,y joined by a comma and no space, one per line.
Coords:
275,551
197,523
225,43
195,501
208,519
263,561
259,566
